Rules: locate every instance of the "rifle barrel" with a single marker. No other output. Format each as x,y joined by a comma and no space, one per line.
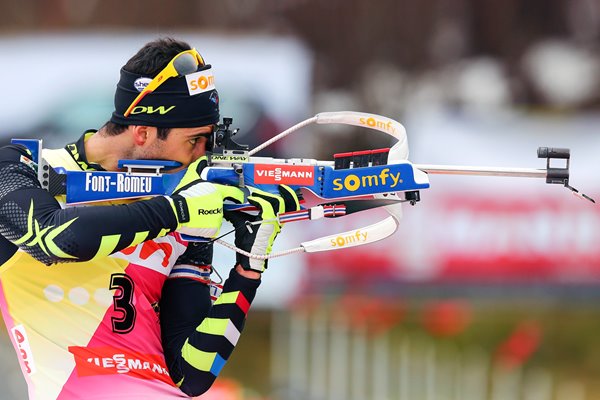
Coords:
484,171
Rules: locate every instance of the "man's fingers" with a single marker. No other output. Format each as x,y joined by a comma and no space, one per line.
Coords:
237,218
290,198
232,193
268,204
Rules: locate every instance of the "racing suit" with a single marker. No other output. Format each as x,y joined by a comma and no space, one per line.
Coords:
81,288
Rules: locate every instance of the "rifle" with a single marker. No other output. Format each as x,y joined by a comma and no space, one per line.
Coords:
350,183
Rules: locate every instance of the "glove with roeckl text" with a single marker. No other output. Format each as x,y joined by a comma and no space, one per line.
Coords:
198,205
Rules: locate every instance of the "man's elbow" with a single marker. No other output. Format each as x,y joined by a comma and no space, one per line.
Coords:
196,387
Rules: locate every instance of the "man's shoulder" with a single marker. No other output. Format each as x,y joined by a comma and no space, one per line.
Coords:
60,158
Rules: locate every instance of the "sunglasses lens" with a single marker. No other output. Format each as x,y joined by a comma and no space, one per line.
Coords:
185,64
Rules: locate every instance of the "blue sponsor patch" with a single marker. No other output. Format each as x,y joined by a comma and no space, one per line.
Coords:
369,180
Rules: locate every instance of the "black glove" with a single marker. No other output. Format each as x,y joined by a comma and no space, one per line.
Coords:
259,238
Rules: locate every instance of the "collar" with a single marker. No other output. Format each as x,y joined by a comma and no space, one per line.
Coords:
77,151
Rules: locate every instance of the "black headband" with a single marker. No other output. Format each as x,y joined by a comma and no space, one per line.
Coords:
180,102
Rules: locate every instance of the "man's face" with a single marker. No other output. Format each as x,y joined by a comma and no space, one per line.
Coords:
184,145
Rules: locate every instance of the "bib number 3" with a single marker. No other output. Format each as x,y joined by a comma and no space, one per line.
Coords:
123,303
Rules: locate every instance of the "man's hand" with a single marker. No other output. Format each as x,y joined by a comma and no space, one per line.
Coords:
198,205
259,238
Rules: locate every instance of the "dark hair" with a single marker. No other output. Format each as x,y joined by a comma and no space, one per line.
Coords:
154,56
112,129
149,61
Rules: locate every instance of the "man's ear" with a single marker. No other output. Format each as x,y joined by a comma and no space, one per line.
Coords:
143,134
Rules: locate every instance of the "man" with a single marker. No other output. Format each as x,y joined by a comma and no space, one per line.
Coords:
81,286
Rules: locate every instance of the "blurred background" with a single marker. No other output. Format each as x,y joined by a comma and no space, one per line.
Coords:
491,287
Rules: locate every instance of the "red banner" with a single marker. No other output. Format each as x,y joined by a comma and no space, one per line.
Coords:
480,237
